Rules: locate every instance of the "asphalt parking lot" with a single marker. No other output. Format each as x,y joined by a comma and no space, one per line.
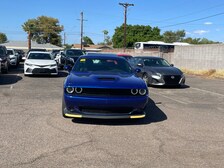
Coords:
184,128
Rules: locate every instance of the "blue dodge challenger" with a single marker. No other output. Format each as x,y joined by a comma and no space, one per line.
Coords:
105,87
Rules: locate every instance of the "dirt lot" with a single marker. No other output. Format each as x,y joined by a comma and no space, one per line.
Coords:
184,128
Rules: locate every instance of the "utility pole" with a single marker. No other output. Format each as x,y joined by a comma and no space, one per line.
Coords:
125,5
81,29
64,38
81,23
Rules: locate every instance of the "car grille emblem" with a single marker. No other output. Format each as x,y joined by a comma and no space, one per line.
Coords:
172,77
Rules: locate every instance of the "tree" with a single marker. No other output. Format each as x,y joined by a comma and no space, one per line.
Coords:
135,33
3,38
199,41
105,32
44,30
87,40
107,40
173,36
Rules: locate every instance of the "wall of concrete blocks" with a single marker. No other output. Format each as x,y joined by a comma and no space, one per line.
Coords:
199,57
193,57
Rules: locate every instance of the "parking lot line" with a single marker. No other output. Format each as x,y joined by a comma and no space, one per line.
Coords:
206,91
182,102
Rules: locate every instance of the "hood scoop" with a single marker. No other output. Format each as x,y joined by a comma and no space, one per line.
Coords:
106,78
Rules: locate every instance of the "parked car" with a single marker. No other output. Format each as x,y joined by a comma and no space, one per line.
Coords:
4,60
20,53
55,52
13,56
126,56
103,87
39,63
69,56
157,71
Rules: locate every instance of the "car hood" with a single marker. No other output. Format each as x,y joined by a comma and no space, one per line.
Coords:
40,62
165,70
104,80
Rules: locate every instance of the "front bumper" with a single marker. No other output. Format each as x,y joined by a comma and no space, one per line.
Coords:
168,80
70,114
35,70
104,108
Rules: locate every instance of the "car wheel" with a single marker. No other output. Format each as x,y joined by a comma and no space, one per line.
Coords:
63,107
145,77
5,70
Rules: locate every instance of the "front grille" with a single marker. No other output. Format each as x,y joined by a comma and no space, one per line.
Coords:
122,110
172,79
106,92
43,71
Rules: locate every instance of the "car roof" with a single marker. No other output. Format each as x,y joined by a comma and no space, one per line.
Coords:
102,54
112,56
124,55
39,52
147,57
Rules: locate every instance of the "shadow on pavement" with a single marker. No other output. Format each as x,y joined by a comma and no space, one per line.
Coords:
154,114
7,79
61,74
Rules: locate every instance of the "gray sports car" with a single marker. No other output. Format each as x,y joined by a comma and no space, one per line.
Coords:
157,71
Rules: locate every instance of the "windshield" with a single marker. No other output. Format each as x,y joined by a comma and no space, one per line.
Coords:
72,53
10,52
44,56
155,62
102,65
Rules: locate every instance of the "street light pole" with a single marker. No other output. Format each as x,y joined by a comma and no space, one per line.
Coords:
125,5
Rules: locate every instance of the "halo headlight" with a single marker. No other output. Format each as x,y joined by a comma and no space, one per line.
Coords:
134,91
78,90
142,91
70,90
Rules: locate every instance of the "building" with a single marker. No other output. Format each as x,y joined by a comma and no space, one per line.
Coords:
23,45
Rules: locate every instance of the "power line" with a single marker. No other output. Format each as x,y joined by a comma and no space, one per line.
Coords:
192,13
193,20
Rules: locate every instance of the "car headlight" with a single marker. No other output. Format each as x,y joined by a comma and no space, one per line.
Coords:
53,65
142,91
156,75
134,91
0,59
78,90
28,64
70,90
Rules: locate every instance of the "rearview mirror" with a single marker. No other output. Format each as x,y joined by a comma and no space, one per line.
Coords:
171,65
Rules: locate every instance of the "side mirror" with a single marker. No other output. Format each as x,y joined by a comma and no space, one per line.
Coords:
137,70
171,65
139,65
68,68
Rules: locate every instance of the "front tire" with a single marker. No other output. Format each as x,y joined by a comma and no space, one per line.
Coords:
5,70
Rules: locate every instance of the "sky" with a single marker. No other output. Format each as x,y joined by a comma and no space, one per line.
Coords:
199,18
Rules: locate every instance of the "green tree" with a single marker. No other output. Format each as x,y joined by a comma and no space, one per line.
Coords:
135,33
107,39
44,29
199,41
3,38
174,36
87,40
